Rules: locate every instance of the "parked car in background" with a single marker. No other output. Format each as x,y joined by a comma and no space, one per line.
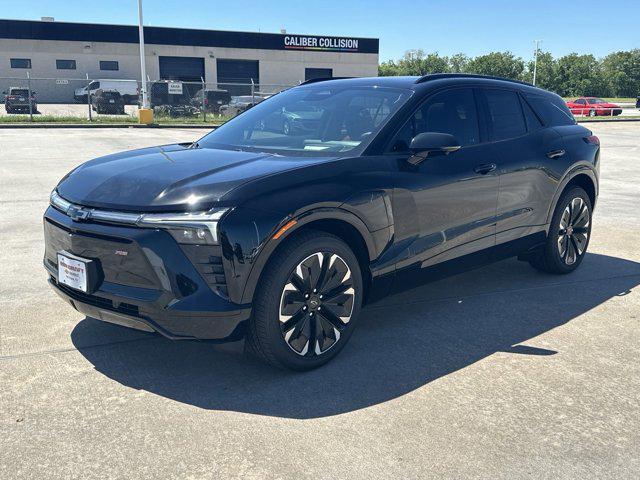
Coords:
638,102
280,239
593,106
128,89
16,100
240,104
213,99
107,101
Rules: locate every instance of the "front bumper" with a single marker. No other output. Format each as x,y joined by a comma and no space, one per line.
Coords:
146,280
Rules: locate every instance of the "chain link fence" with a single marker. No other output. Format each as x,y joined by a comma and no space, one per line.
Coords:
118,100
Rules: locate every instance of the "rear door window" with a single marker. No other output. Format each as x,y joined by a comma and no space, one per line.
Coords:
553,111
505,114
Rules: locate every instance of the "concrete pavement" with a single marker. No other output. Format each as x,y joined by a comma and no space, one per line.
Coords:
502,372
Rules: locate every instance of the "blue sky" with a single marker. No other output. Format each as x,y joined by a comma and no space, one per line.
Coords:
446,26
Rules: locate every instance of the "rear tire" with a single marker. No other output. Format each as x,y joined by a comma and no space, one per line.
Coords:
569,234
307,303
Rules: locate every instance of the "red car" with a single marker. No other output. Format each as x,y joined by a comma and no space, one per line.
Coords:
593,106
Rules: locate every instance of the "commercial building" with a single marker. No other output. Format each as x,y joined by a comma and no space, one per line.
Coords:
60,50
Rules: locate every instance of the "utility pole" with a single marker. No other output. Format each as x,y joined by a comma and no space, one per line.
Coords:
535,59
143,69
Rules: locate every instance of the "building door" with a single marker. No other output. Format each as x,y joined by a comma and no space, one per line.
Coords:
187,69
313,73
241,72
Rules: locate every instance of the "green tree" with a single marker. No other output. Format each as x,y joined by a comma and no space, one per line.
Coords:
545,73
499,64
580,75
621,71
458,63
415,62
617,74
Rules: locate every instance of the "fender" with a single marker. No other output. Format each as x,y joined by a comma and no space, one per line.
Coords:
579,169
302,219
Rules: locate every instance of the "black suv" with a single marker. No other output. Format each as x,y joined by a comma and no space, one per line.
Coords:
280,238
16,100
107,101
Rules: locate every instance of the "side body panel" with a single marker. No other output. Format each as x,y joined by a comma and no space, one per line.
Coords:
528,181
354,191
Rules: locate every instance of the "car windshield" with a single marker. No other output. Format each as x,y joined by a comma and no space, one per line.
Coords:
19,91
332,120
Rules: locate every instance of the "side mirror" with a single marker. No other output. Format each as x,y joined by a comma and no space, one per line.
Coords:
427,143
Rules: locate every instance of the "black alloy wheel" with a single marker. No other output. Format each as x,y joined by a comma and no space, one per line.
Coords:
307,303
573,234
568,236
316,304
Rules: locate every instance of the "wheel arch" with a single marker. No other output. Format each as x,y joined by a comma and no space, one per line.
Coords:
344,225
583,177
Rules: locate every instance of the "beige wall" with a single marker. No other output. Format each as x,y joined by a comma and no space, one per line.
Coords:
276,66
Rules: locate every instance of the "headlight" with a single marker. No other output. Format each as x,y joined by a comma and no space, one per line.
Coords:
59,202
194,228
200,228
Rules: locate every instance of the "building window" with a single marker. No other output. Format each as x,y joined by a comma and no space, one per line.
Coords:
313,73
20,63
66,64
109,65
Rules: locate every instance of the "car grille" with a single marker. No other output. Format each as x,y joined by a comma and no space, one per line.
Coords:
131,270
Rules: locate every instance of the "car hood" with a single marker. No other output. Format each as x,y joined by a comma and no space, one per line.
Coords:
170,178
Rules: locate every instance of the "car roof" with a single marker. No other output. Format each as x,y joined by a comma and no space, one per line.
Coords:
425,81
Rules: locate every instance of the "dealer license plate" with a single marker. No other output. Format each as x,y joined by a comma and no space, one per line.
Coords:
72,272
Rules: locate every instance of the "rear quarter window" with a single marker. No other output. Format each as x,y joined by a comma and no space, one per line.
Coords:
553,111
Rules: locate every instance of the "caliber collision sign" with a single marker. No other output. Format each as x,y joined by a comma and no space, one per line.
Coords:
329,44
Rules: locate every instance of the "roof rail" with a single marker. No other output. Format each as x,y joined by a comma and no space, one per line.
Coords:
324,79
437,76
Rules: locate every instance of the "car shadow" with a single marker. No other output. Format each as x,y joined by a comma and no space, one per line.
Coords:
401,344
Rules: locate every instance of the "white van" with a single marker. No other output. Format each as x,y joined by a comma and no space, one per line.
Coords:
127,88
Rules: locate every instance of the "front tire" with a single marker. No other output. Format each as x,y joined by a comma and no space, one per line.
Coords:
307,303
569,234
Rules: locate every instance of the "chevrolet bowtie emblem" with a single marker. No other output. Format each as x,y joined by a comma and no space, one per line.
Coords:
78,214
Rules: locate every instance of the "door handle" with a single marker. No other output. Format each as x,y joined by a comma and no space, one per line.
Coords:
485,168
555,153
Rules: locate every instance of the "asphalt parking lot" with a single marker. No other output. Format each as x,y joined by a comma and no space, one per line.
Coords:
502,372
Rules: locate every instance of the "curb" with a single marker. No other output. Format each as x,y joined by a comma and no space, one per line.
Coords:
609,120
